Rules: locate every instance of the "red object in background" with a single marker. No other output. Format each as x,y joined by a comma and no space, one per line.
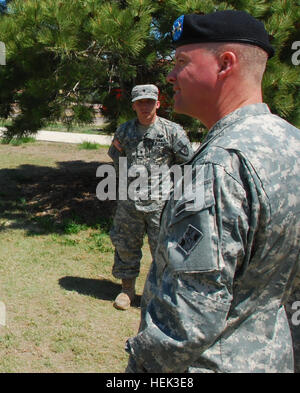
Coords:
164,101
118,93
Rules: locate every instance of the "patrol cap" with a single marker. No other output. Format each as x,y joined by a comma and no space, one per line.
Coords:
221,26
141,92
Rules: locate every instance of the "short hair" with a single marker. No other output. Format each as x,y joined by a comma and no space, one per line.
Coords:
252,58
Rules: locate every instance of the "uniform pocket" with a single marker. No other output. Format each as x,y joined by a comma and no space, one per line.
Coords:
198,198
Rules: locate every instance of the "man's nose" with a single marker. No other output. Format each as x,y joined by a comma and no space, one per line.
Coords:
171,78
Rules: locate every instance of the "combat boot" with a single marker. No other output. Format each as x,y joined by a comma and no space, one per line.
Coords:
124,299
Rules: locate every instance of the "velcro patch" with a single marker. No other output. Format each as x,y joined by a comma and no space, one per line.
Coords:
190,239
183,149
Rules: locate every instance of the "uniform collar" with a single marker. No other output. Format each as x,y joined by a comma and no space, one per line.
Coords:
236,116
151,132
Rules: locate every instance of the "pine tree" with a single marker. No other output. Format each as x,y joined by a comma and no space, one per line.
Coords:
281,17
67,53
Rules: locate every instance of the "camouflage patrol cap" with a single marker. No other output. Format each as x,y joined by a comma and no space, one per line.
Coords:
221,26
141,92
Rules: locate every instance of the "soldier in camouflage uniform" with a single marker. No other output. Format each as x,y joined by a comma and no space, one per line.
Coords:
293,312
225,265
145,141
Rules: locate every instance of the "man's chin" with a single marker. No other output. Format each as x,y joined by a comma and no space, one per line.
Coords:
147,120
179,109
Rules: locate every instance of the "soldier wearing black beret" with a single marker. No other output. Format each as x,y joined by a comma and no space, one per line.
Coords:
222,26
228,253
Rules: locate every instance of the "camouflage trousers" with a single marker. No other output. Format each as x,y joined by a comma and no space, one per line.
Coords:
127,236
294,321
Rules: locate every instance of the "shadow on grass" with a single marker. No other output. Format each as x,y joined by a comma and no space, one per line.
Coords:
100,289
44,199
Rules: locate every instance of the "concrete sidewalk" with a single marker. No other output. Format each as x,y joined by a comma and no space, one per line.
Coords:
71,137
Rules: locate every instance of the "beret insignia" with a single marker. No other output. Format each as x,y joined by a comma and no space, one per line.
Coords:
177,28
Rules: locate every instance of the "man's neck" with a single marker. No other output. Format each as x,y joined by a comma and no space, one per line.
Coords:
147,123
228,103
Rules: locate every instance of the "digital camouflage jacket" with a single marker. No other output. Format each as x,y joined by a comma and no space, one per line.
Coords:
225,264
164,144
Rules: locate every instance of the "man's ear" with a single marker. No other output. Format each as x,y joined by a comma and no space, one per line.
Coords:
227,62
157,104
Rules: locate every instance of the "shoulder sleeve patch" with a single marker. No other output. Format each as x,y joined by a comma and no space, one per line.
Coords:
190,239
116,143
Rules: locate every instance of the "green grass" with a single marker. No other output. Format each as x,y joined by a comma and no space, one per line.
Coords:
18,141
85,145
55,265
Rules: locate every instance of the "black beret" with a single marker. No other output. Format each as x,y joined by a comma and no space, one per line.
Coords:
221,26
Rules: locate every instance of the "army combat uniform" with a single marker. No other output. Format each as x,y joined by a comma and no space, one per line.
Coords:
293,312
162,143
225,265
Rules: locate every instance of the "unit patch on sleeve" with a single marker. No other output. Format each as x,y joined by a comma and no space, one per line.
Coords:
117,145
190,239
